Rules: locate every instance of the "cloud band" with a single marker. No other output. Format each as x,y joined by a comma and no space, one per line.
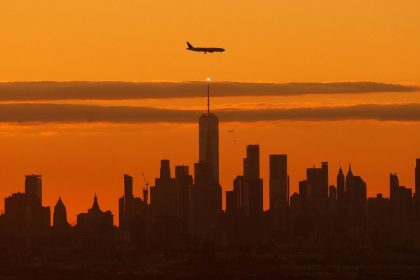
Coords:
65,113
31,91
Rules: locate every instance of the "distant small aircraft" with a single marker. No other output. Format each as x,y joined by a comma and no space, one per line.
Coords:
231,130
204,50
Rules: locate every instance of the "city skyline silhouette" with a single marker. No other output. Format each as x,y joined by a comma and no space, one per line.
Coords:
226,185
182,213
202,140
232,140
279,180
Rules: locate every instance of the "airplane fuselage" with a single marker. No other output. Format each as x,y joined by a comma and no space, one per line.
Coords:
204,50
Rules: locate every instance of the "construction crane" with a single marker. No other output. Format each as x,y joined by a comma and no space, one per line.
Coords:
145,189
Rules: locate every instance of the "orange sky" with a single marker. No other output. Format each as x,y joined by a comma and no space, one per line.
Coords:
282,41
288,40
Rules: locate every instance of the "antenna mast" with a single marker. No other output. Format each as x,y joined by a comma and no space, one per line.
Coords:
208,96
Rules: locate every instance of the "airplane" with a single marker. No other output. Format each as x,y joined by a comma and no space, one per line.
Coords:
231,130
204,50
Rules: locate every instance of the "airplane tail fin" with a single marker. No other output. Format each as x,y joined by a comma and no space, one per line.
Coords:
189,45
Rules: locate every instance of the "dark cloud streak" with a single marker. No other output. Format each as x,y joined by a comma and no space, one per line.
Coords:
63,113
31,91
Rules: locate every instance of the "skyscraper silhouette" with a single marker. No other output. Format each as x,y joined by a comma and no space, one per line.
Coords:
184,182
357,199
206,194
165,170
238,195
394,186
405,197
340,187
126,203
349,177
163,195
128,186
401,201
317,192
317,179
342,202
209,142
60,215
33,186
303,191
209,139
61,231
24,215
279,187
133,213
164,204
25,219
251,186
206,202
279,192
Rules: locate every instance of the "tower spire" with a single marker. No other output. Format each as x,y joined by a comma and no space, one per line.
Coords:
208,96
349,173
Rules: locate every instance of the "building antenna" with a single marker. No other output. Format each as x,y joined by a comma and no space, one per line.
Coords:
208,96
209,142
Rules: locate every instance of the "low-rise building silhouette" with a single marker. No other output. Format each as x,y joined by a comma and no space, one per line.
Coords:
95,228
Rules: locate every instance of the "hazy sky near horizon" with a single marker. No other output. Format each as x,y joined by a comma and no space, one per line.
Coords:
266,41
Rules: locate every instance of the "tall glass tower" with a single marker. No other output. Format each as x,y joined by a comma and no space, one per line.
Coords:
209,139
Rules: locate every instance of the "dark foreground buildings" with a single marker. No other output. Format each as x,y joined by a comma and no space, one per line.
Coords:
185,216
